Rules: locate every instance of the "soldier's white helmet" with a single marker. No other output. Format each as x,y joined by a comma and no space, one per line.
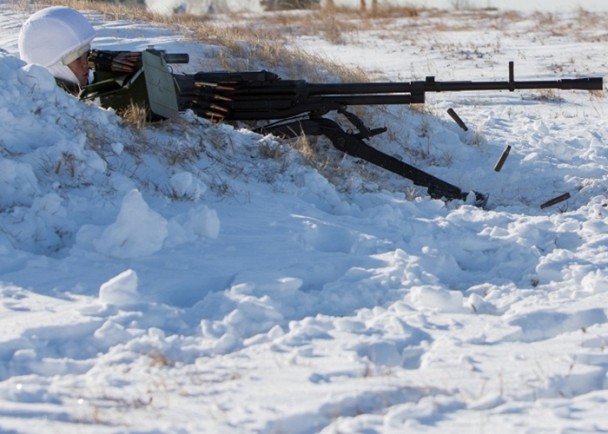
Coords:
57,34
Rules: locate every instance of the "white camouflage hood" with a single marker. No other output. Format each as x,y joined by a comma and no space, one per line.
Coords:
50,34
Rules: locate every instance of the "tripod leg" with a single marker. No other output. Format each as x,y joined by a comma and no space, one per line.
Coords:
356,147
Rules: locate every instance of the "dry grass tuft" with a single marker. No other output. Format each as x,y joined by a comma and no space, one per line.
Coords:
67,164
135,116
548,95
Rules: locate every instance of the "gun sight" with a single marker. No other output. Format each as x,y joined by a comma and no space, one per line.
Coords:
176,57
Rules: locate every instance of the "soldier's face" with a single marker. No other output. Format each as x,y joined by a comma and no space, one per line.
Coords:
80,68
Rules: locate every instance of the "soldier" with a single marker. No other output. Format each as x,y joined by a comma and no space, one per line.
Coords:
59,38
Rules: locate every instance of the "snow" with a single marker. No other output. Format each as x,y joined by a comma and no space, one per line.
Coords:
191,277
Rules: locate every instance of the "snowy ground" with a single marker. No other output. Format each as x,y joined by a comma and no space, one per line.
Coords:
179,280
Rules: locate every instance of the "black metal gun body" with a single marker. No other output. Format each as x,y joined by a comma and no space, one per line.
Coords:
294,107
290,98
297,107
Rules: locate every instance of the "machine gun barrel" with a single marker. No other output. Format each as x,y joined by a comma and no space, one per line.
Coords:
430,85
417,89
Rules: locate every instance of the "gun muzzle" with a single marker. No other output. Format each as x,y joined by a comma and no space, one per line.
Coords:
590,83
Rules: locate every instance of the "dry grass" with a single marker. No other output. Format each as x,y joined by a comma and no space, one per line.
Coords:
135,115
67,163
266,38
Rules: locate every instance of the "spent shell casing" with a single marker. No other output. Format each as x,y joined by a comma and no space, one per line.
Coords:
555,200
502,159
457,119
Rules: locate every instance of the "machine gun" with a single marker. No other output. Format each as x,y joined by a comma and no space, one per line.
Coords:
297,107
